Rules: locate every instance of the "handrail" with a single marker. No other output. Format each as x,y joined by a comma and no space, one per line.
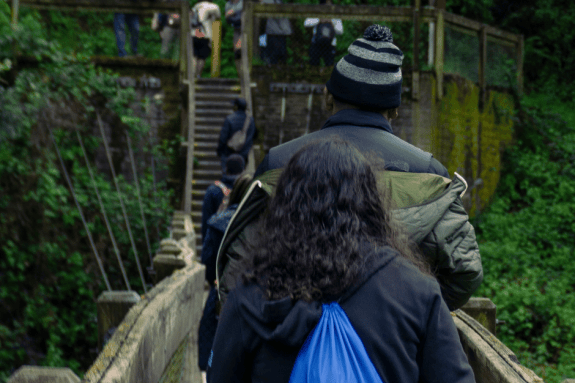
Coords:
416,14
121,6
191,74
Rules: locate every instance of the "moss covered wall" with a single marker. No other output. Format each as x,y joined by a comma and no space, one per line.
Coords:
470,141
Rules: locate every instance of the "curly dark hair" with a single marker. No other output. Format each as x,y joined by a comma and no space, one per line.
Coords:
326,209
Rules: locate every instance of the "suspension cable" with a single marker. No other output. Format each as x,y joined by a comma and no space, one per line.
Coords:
155,192
80,210
139,198
121,202
114,244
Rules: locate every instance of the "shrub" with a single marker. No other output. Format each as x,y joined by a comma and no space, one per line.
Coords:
527,241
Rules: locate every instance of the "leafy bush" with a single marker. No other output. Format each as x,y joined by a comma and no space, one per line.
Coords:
50,279
527,241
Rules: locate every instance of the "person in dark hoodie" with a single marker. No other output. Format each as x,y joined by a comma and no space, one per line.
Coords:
215,193
216,227
329,237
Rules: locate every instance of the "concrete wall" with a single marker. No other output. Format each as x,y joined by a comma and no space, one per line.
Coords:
160,331
464,138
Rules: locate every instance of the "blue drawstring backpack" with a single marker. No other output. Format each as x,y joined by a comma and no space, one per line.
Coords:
333,352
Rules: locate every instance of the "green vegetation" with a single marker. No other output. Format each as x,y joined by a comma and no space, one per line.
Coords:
50,279
527,241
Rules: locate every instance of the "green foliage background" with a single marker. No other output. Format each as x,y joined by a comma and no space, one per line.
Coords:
49,280
49,277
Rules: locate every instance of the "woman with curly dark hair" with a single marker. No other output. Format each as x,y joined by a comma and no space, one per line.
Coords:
329,237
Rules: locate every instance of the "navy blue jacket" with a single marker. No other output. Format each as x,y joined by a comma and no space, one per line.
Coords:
212,200
216,227
397,312
370,132
233,123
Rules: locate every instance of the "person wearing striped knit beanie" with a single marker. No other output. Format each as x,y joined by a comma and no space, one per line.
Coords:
363,94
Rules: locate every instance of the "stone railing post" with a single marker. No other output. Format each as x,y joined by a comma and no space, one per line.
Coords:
34,374
483,311
112,308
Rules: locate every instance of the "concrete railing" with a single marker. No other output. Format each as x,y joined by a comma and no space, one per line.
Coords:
155,336
142,334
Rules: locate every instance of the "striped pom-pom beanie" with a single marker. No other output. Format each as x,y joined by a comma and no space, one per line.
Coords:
369,76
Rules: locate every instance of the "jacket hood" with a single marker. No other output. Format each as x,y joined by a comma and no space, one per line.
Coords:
423,209
282,320
290,322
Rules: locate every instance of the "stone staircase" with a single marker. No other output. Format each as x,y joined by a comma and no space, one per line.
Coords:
213,103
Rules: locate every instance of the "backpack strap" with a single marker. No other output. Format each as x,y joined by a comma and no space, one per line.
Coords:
226,190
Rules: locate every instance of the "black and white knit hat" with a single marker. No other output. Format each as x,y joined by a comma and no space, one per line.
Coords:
369,75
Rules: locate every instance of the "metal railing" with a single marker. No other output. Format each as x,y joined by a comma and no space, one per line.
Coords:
411,22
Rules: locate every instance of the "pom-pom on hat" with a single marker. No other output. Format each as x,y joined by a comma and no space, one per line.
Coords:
369,76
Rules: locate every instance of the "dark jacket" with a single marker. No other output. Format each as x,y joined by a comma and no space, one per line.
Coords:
397,312
212,200
370,132
233,123
428,205
216,227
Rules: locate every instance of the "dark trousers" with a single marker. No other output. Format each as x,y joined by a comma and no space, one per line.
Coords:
276,51
120,19
318,51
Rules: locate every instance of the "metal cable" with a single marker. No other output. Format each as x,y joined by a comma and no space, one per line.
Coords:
80,211
139,198
114,244
121,202
155,192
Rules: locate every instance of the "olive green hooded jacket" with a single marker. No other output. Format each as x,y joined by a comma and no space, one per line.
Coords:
428,205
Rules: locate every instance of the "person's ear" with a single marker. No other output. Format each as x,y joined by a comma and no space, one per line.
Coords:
394,113
328,98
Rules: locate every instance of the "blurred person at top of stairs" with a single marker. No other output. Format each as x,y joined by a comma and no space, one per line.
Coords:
216,192
203,14
233,123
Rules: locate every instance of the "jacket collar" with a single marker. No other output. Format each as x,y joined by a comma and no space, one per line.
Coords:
358,117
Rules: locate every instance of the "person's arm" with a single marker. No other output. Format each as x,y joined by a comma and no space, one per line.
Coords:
224,137
234,14
210,247
457,258
311,22
441,357
229,359
338,26
210,206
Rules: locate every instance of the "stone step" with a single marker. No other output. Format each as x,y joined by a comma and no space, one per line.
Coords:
210,121
207,174
209,110
201,183
220,105
205,145
202,153
210,137
217,96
